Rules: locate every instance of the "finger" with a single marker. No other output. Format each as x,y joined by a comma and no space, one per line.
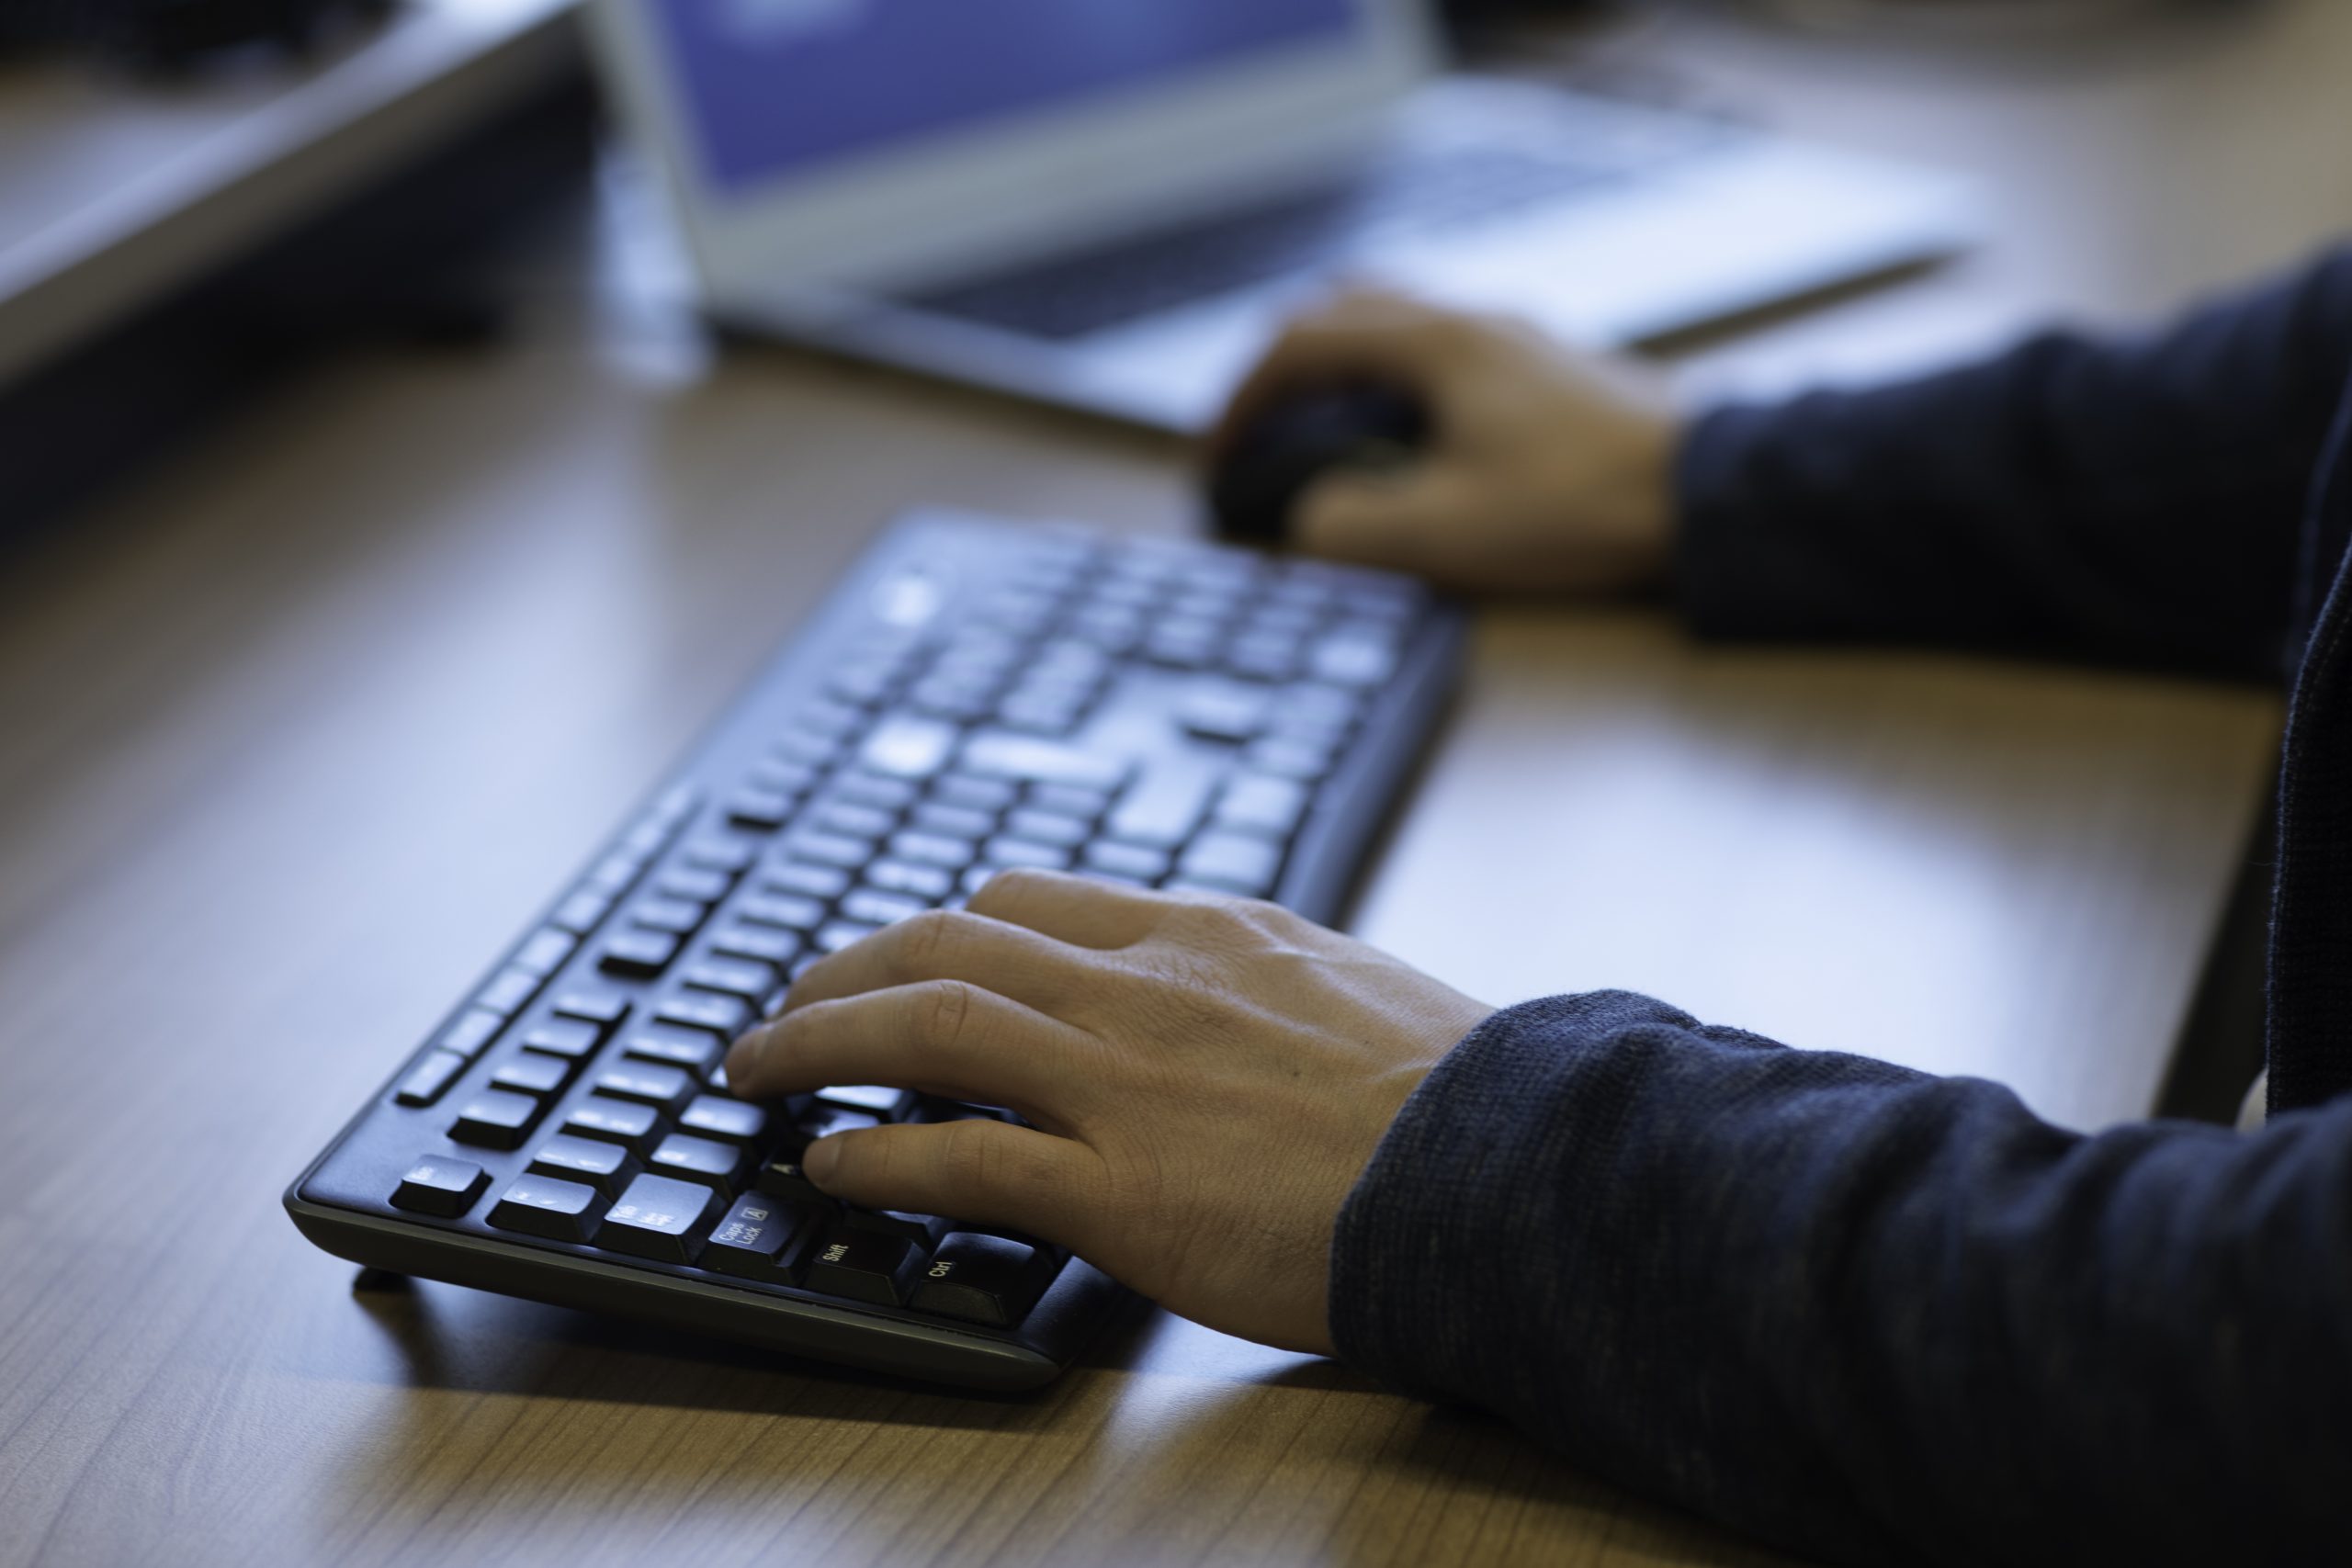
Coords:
941,944
983,1171
940,1037
1363,336
1385,519
1083,911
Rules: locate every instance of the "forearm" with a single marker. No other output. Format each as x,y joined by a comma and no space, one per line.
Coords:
2136,500
1858,1309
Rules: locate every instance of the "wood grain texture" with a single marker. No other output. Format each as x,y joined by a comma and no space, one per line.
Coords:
301,730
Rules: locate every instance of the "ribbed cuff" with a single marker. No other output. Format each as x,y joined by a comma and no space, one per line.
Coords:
1433,1248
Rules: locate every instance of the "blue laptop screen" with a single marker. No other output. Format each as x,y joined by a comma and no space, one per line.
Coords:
773,86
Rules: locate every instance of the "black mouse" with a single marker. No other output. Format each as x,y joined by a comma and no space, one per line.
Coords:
1295,440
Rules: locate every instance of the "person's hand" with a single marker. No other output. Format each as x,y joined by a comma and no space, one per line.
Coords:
1549,470
1206,1079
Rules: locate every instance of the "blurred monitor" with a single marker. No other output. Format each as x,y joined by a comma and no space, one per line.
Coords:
1108,203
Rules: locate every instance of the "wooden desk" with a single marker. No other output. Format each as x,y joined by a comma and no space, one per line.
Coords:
299,732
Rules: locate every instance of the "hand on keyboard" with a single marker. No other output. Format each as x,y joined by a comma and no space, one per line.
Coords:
1548,470
1205,1078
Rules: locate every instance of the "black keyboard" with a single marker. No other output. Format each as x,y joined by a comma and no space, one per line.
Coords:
975,695
1415,192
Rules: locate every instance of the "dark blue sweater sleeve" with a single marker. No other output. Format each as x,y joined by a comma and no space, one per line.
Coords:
1861,1311
2135,499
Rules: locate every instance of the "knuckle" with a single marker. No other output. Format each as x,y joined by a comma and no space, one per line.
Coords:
924,939
943,1012
968,1157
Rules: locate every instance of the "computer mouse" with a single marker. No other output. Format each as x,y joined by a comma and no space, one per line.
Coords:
1293,441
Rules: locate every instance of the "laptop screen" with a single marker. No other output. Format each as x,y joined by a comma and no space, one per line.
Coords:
772,88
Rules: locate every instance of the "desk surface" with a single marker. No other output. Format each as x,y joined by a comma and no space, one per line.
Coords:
302,729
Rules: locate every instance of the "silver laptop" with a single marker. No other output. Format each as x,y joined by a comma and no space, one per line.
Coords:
1112,204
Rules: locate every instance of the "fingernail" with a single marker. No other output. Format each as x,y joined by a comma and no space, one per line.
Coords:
817,1161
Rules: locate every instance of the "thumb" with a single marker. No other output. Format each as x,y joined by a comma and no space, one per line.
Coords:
1391,520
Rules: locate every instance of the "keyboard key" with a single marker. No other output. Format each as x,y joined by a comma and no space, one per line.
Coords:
853,822
722,1015
440,1186
1029,760
582,912
1290,759
953,821
495,1119
621,1121
675,916
830,848
1003,852
823,1121
1127,860
611,876
750,1242
693,885
1258,802
1222,710
648,1083
533,1073
879,908
431,1078
694,1050
545,952
874,790
783,1179
808,881
762,945
603,1008
1237,862
717,1116
608,1168
1048,828
861,1266
841,934
922,1230
638,955
929,882
509,990
1355,654
788,776
933,850
984,1279
474,1027
546,1206
990,795
874,1099
792,911
656,1217
806,750
729,854
1163,806
763,810
705,1160
565,1040
1068,800
730,977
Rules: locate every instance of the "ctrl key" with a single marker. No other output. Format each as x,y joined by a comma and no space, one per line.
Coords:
984,1279
656,1218
542,1206
440,1186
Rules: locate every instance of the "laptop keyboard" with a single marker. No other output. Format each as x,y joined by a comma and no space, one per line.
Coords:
975,695
1414,193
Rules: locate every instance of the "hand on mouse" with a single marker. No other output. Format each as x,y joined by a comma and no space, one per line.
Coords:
1206,1079
1548,470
